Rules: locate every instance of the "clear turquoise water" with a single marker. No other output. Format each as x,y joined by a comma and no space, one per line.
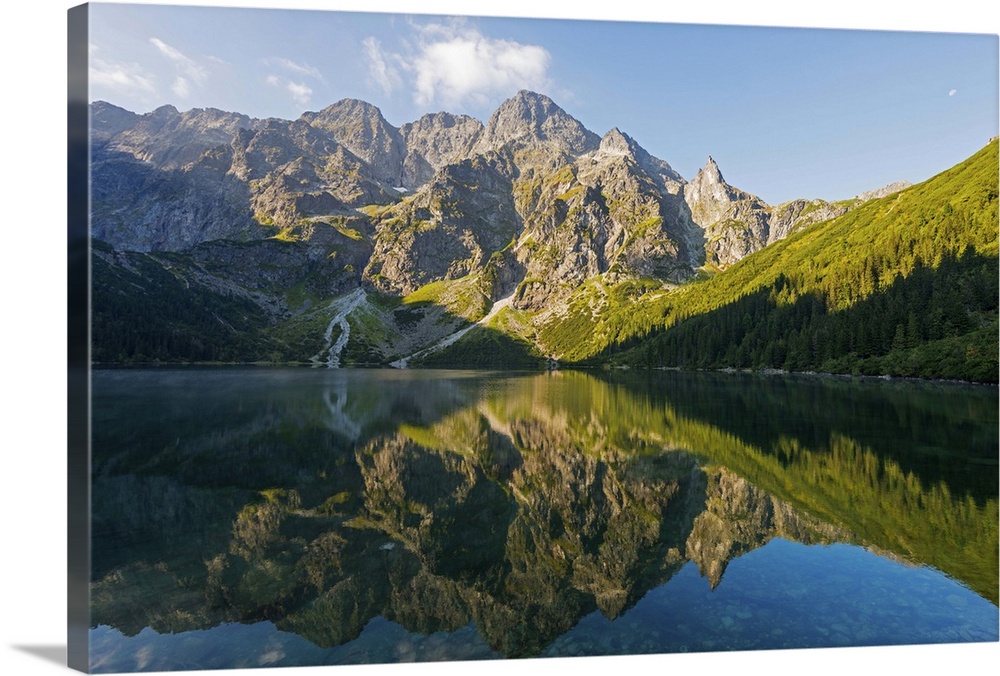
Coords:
789,595
784,595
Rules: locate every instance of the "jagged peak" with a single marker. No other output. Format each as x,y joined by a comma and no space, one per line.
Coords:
165,110
213,112
441,119
348,105
346,112
441,116
710,172
529,117
104,114
528,106
532,98
108,120
193,117
101,104
616,142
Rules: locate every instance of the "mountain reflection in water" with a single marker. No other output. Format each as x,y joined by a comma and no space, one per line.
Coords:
258,517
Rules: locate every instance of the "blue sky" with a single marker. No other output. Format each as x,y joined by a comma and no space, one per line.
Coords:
786,112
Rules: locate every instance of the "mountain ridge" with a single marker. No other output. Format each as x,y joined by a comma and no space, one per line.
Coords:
401,160
530,207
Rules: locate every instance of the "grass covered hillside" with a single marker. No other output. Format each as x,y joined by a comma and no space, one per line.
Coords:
906,285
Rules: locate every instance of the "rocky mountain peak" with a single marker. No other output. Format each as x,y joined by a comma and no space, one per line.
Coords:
884,191
166,110
441,120
346,109
711,173
617,143
529,119
165,138
107,120
434,141
529,106
360,127
709,193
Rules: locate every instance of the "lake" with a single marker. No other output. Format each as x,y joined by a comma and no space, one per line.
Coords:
287,516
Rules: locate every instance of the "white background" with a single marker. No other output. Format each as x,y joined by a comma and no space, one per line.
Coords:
33,251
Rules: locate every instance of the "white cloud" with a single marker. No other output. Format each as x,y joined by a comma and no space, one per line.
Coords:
128,79
454,64
181,87
952,92
189,70
301,93
293,67
384,75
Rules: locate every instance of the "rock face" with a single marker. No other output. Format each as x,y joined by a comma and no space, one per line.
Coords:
295,171
797,214
165,138
435,141
884,191
739,518
159,180
617,143
137,206
107,121
737,224
530,207
360,127
601,215
529,121
448,230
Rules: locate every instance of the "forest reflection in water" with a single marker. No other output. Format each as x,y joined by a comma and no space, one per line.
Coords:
258,517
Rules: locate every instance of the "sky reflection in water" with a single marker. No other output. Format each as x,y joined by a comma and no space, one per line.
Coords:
236,512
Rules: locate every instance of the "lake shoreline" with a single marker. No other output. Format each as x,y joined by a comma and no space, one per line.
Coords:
582,368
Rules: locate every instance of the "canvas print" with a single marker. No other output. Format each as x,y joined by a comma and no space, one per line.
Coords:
423,338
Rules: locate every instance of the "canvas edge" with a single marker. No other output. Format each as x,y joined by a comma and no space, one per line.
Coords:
78,341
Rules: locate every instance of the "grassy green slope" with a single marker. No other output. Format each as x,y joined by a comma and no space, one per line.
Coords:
905,285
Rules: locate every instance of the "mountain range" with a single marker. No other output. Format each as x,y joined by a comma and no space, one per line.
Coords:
338,239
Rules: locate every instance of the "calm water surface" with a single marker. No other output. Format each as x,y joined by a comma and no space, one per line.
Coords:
278,517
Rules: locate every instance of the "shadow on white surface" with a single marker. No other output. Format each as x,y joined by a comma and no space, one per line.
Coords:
49,653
